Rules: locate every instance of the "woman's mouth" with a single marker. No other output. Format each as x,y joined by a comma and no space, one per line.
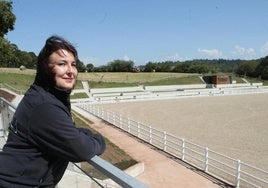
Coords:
68,79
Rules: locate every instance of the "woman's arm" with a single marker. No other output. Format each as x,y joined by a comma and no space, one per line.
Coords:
53,131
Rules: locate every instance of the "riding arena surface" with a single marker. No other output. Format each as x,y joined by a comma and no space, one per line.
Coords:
233,125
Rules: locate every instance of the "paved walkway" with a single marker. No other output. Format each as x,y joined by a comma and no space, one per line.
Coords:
159,170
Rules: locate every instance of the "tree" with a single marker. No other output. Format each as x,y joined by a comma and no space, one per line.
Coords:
150,67
262,69
120,66
7,18
90,67
103,68
24,59
34,60
80,66
7,55
247,68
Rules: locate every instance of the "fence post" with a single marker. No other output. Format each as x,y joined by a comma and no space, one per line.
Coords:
120,119
238,173
114,118
165,141
182,149
89,108
98,111
94,110
106,115
206,160
128,124
139,129
1,119
150,135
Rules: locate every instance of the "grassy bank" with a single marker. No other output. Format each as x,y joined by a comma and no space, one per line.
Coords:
22,79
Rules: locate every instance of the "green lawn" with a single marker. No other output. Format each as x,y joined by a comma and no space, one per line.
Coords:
22,79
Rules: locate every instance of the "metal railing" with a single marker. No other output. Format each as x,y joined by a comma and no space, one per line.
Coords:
120,177
230,170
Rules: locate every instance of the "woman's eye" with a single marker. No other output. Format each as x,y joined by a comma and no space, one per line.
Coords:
74,64
61,63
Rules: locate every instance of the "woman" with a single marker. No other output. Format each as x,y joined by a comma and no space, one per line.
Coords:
43,137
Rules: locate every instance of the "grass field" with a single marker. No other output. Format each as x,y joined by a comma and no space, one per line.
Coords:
22,79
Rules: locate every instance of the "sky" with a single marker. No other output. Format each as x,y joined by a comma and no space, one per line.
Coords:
145,30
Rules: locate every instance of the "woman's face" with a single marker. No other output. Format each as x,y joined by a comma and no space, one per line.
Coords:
63,65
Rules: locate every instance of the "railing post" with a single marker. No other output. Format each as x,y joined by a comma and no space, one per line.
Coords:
238,174
165,141
139,129
107,116
206,160
87,107
5,117
150,134
92,109
114,118
1,119
98,112
128,124
182,149
120,119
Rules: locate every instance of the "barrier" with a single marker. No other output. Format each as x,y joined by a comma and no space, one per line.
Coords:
116,90
230,170
117,96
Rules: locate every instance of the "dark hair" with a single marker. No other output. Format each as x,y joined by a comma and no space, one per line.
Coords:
44,75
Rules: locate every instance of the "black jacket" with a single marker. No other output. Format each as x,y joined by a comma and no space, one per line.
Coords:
43,139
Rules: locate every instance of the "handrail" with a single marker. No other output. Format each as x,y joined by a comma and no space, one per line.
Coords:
109,170
211,162
119,176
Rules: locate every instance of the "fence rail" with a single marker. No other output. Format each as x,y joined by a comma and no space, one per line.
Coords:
171,94
120,177
218,165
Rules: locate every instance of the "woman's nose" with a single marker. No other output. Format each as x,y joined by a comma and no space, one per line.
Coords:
70,68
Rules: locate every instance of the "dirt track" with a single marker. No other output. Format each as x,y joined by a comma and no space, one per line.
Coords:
232,125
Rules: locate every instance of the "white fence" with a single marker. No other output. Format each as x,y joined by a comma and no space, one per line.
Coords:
169,94
230,170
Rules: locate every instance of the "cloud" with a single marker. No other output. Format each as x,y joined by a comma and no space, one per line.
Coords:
244,53
126,58
174,57
264,49
92,60
210,54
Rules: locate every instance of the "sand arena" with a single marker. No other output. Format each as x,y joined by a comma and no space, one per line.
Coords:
235,125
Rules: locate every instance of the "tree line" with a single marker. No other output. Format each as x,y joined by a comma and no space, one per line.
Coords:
12,56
